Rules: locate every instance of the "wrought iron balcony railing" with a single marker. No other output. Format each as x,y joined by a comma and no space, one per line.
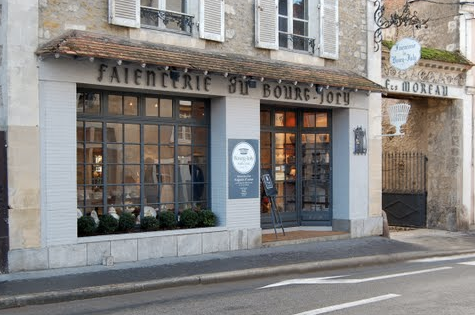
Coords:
299,42
154,18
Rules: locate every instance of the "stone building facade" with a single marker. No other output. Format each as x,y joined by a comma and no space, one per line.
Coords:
439,124
72,51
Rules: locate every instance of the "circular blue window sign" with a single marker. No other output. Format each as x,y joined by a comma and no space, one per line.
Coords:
405,54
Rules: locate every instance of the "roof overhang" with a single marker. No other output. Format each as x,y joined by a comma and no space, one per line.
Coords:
82,44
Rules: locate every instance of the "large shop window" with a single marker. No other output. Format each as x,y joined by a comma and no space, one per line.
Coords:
141,150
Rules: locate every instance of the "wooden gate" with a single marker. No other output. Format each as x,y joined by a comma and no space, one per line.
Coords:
404,188
4,241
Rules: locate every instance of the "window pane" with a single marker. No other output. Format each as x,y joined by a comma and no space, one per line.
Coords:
150,153
283,27
198,111
114,132
185,109
130,106
200,135
132,153
166,134
115,174
132,174
80,131
167,173
279,119
149,3
166,108
300,28
300,9
92,103
265,118
322,120
150,134
308,120
175,5
93,132
114,105
132,133
290,119
151,107
283,7
167,154
115,154
184,154
79,102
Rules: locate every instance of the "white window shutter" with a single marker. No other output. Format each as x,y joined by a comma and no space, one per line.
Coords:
124,13
329,29
266,22
212,20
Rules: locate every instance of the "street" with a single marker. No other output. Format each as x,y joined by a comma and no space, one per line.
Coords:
430,286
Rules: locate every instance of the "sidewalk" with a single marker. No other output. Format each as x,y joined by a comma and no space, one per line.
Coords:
297,256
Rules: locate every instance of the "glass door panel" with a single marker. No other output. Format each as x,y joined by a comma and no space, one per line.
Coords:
316,183
285,173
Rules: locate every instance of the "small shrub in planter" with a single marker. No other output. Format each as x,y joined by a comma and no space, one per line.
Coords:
108,224
189,219
167,220
86,226
126,222
149,224
206,218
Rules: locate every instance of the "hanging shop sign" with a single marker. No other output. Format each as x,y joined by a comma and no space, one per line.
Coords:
405,54
243,169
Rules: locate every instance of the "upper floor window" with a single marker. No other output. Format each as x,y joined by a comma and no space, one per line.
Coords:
182,16
293,25
300,25
168,14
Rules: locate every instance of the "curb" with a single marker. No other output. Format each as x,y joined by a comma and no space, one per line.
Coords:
133,287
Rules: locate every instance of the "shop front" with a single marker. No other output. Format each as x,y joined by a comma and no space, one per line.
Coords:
296,144
131,127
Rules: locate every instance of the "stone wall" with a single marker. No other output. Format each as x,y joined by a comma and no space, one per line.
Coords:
434,127
56,16
442,30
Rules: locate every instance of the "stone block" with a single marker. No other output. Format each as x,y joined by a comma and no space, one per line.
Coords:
189,245
24,227
254,238
124,250
67,256
357,228
97,251
237,239
27,259
215,242
156,247
373,226
108,261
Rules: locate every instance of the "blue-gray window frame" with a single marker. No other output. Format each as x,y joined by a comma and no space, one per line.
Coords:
141,119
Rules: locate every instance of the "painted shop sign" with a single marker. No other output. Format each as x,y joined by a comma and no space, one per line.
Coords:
420,88
405,54
203,84
243,169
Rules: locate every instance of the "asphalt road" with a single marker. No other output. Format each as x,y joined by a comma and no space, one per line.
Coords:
425,287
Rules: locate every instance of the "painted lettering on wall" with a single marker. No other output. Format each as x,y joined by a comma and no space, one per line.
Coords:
151,78
417,88
292,93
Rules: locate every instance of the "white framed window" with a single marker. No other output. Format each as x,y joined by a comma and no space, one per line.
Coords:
166,14
294,25
299,25
203,17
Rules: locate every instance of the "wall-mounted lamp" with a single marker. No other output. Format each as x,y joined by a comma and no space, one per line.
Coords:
360,140
319,89
174,75
252,83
